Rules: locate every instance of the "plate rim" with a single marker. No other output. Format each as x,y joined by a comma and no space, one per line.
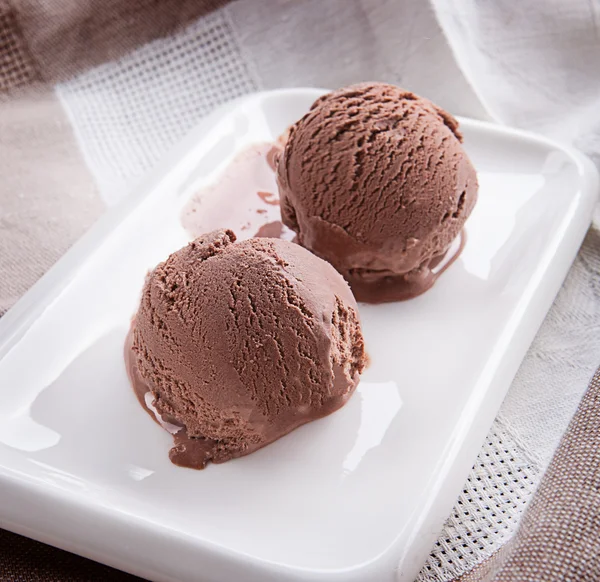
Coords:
20,317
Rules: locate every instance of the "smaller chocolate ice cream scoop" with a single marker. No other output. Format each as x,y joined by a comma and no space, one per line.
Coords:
374,179
236,344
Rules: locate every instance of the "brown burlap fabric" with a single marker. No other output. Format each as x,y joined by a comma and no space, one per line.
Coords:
47,196
23,560
559,536
44,42
51,41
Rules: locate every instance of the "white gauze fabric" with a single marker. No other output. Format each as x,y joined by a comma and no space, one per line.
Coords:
128,113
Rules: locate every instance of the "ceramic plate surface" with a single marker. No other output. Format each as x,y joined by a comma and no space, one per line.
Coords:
358,496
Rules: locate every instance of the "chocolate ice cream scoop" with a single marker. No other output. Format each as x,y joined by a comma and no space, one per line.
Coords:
374,180
238,343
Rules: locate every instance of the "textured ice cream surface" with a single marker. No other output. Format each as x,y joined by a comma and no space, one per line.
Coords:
374,179
241,342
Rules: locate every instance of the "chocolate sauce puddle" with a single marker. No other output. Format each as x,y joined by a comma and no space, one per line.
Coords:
193,453
376,289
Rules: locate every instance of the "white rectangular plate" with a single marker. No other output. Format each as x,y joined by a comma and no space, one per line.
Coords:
358,496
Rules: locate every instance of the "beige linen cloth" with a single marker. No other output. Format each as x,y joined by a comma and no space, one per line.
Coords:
93,93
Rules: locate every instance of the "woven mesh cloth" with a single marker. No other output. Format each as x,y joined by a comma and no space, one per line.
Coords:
127,114
16,66
558,539
23,560
563,522
488,509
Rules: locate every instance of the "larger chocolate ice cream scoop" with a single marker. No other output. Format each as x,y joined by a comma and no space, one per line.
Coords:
237,343
374,179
